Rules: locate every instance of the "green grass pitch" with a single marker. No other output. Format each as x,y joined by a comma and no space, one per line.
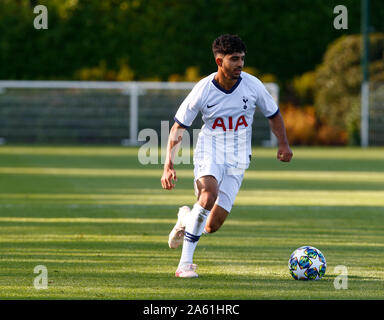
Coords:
99,221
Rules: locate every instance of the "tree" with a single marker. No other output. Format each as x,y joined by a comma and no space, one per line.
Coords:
338,81
161,38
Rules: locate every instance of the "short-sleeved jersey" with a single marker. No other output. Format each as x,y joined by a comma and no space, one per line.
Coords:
227,115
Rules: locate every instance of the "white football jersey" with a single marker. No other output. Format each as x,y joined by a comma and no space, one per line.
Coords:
228,115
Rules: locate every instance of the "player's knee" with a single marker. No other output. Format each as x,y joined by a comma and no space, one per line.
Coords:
207,199
212,227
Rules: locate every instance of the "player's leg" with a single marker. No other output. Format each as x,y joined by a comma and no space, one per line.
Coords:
206,191
207,188
228,189
216,219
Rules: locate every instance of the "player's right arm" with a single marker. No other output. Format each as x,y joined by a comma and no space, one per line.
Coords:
183,119
174,141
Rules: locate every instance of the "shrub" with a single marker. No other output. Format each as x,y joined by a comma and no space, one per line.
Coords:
303,127
300,124
338,82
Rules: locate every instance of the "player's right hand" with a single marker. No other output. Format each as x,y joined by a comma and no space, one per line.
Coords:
169,175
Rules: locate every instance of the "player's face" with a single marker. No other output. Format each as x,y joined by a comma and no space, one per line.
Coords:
233,64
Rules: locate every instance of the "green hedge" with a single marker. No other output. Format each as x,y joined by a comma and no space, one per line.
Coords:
159,38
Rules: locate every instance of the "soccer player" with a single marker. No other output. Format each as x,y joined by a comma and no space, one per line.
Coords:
227,100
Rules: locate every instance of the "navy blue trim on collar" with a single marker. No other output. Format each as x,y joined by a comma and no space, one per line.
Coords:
274,115
218,86
183,125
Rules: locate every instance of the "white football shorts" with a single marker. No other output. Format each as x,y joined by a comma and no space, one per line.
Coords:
228,178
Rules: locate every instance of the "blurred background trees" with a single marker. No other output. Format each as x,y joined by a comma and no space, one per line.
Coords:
293,43
338,82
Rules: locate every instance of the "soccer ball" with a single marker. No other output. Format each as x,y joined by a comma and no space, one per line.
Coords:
307,263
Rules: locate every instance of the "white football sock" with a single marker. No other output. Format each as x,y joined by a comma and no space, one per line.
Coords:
194,226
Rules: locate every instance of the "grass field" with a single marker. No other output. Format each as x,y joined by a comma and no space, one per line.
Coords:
99,221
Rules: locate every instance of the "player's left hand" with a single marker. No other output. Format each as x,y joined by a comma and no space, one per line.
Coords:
284,153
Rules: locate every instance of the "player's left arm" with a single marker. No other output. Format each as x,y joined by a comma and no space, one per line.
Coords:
284,152
270,109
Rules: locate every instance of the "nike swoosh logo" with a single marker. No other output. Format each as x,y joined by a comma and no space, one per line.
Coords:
208,106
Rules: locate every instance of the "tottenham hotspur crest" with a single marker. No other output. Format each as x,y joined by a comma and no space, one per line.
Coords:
245,100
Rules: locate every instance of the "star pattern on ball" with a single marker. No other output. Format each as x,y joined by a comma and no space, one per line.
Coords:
307,263
316,263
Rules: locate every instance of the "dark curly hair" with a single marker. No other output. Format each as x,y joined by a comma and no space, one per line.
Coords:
228,44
